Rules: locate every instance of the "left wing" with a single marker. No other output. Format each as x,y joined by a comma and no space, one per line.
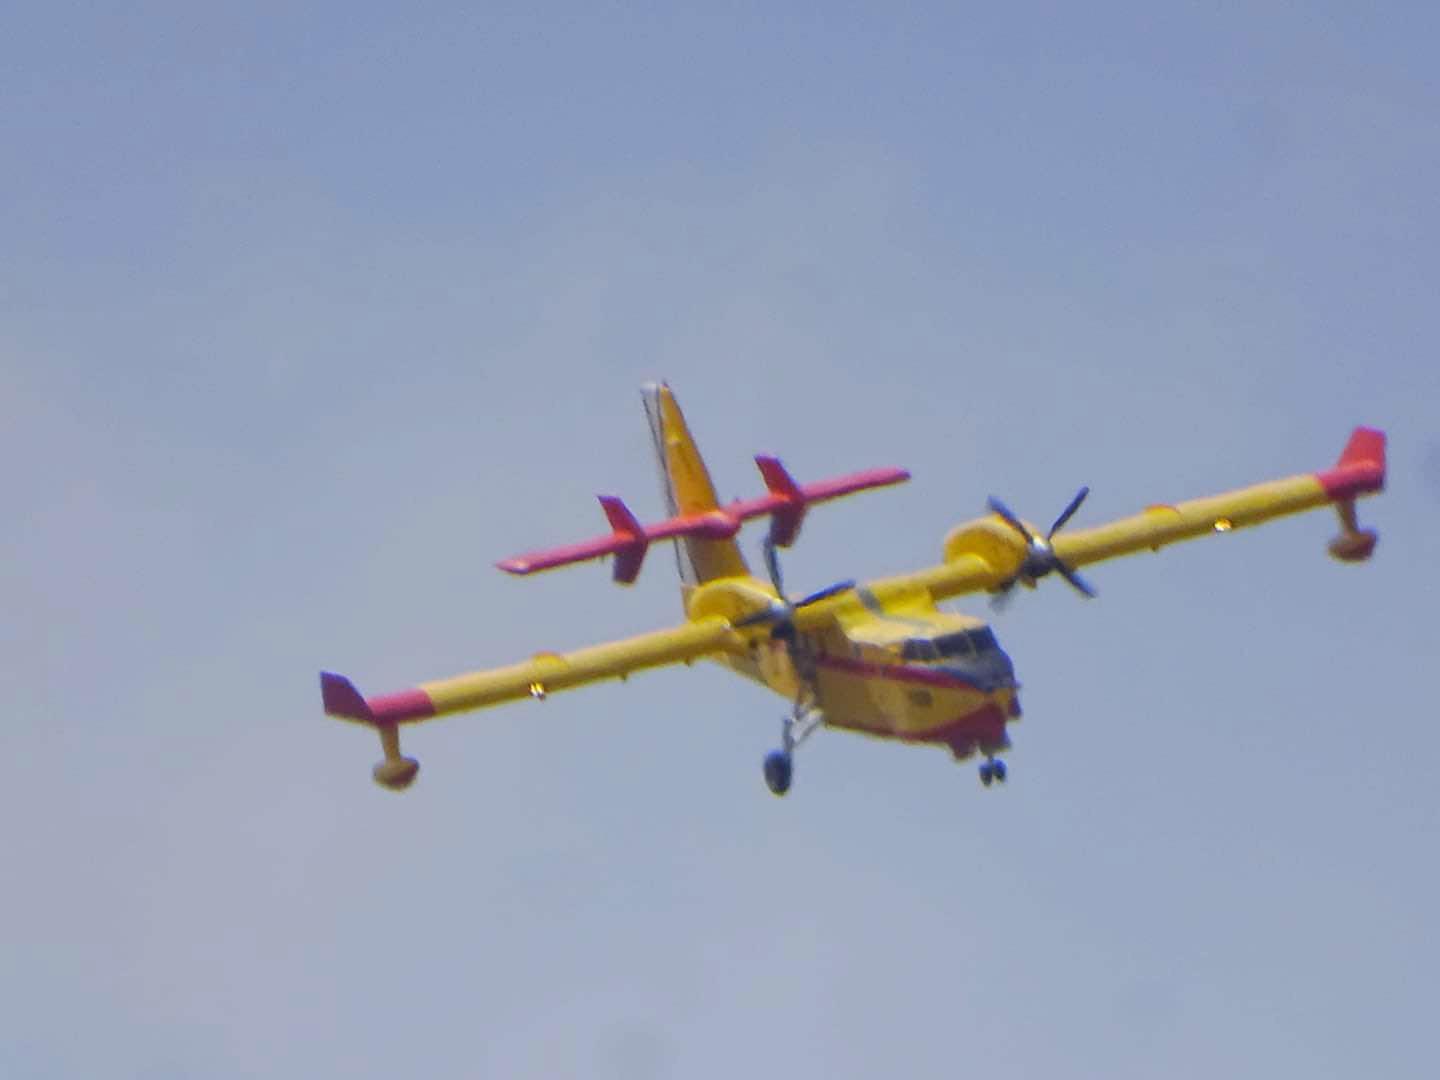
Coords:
536,677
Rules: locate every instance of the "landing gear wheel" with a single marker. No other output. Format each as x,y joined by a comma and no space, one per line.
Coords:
987,772
998,768
779,769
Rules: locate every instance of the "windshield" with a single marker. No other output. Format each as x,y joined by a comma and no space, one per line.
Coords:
919,649
966,642
955,644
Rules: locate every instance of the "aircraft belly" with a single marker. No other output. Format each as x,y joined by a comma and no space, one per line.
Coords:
890,702
852,701
894,708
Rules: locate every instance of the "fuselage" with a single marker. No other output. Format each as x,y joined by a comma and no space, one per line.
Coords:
915,674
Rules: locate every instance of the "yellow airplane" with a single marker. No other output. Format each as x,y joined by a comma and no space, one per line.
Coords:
878,657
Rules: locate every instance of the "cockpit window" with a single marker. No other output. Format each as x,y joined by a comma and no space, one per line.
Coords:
919,649
966,642
957,644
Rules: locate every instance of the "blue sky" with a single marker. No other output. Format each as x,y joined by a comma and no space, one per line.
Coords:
309,316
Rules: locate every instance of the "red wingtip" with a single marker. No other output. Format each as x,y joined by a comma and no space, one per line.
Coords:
342,699
1361,468
1365,445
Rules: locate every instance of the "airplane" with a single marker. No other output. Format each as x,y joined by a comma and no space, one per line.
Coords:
878,657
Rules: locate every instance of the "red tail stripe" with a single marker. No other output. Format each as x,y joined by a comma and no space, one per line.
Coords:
896,673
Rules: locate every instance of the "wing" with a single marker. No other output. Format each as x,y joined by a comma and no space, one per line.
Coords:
985,554
1360,471
536,677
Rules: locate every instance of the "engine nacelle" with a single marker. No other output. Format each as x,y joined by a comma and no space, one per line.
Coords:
990,540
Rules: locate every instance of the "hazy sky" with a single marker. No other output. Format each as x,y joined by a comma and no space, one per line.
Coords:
310,313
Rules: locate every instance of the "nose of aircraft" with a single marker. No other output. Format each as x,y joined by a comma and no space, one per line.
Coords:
989,669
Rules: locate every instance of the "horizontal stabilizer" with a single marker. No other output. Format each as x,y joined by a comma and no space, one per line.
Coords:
786,503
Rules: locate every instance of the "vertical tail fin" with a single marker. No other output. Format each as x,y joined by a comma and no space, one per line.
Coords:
686,488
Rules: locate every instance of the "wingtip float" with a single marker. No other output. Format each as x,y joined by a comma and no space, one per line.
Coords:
1360,471
878,658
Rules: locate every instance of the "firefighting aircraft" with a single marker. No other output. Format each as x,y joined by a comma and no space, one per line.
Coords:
876,657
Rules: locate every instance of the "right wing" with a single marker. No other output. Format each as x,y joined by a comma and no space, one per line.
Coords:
983,555
536,677
1360,471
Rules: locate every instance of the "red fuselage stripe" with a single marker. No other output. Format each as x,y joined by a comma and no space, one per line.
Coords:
895,672
985,725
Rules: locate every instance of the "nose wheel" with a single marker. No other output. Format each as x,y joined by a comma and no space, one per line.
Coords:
992,769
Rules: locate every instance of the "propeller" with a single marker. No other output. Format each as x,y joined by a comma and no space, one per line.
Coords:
782,615
1040,558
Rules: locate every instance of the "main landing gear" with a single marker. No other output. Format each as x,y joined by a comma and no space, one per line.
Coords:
779,769
992,769
794,730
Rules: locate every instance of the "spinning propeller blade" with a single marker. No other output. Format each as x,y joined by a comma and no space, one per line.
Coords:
1040,558
1068,512
998,507
783,615
826,593
1080,584
772,564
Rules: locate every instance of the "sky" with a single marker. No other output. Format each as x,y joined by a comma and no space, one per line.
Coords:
310,313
